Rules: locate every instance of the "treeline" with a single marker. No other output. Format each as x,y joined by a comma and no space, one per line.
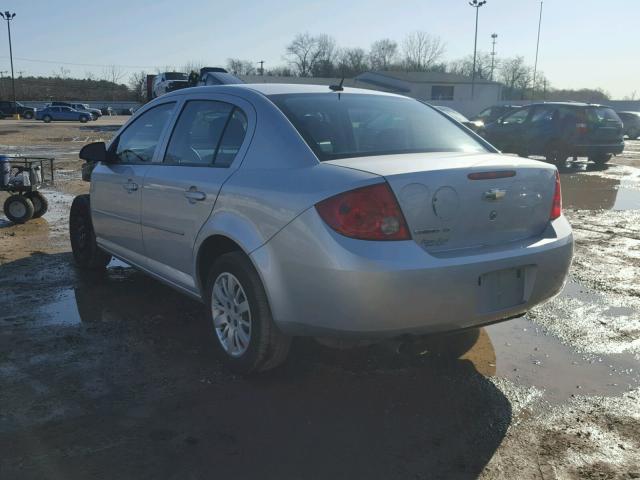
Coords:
319,56
64,88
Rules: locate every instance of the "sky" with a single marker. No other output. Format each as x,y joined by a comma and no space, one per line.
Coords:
584,43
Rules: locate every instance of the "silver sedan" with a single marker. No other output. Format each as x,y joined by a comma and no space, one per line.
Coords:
296,210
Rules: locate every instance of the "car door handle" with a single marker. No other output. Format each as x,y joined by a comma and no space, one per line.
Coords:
130,186
194,195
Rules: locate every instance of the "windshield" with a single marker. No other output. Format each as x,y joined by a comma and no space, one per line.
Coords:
355,125
175,76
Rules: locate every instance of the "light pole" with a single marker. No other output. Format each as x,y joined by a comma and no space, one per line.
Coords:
8,16
535,66
494,36
475,4
261,62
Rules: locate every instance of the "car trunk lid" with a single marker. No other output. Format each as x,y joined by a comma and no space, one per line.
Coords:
457,201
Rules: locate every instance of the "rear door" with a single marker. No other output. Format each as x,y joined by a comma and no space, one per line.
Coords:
206,145
116,187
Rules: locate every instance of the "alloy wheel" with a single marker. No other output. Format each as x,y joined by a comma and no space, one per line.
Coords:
231,314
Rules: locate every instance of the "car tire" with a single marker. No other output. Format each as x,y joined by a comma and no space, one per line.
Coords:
27,115
46,118
40,203
246,338
556,153
18,208
633,135
84,119
86,253
600,159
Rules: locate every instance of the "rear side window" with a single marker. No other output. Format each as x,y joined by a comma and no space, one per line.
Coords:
355,125
602,115
207,133
138,142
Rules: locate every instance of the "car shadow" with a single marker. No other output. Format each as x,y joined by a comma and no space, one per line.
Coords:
131,386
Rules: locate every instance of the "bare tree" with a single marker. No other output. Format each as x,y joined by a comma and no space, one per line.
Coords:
422,51
138,85
61,73
352,62
305,51
383,54
240,67
192,66
464,66
112,74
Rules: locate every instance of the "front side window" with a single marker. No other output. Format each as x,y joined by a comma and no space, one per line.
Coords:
516,118
356,125
542,114
138,142
197,136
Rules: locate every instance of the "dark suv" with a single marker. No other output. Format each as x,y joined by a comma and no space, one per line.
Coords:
9,108
631,122
559,131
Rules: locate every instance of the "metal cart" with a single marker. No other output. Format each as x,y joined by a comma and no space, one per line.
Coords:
22,176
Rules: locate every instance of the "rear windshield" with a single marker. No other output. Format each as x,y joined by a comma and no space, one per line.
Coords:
355,125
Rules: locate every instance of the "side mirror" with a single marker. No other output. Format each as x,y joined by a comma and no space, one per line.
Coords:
94,152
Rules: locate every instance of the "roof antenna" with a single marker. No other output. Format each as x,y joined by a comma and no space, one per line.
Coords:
337,88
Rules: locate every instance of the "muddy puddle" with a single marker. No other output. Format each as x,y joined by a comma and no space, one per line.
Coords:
518,350
586,186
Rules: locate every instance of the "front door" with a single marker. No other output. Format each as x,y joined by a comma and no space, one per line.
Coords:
180,192
509,134
116,188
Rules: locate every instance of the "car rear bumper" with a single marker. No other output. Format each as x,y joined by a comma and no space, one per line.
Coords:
321,283
593,150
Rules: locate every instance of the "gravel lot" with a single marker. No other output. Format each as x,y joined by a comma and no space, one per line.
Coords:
113,377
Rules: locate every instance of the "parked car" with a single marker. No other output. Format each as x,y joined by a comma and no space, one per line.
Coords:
48,114
217,76
81,107
302,210
631,121
558,131
168,82
458,117
491,114
9,108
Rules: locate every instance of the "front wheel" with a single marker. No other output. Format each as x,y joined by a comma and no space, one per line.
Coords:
245,335
84,119
601,159
86,252
556,154
18,208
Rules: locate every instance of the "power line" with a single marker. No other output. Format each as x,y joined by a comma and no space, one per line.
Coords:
56,62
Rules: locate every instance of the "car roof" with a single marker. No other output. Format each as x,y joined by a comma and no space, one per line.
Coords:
277,89
566,104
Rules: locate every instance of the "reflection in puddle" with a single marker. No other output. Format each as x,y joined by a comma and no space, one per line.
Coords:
589,187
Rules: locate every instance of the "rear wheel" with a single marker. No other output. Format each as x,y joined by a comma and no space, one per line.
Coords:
245,335
600,159
86,252
556,153
40,203
633,134
18,208
46,118
27,115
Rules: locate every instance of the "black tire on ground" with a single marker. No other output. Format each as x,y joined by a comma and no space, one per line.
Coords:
83,119
600,159
633,135
86,253
27,115
46,118
40,203
18,208
556,153
267,347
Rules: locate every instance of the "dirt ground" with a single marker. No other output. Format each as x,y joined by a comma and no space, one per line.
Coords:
113,376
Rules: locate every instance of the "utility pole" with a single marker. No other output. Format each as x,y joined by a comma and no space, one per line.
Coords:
535,65
493,53
475,4
8,16
261,62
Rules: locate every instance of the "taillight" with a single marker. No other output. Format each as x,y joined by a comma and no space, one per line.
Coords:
556,206
581,128
367,213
